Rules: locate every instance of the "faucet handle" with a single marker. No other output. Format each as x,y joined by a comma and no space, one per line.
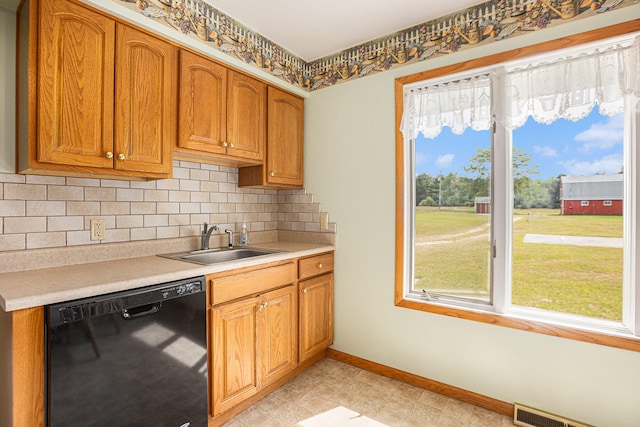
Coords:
206,227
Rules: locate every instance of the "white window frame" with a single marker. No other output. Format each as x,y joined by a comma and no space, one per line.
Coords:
501,229
584,203
607,203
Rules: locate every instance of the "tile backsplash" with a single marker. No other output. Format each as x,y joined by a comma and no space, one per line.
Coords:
51,211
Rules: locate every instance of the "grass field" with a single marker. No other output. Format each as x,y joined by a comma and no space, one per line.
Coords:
453,255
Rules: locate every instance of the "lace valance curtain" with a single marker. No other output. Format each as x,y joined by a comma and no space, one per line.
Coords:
458,104
560,87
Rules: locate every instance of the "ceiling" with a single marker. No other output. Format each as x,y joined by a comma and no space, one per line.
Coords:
313,30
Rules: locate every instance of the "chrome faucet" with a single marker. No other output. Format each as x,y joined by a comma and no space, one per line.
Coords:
230,234
206,234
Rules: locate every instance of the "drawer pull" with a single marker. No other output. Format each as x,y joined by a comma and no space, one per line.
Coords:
304,290
109,155
121,156
319,265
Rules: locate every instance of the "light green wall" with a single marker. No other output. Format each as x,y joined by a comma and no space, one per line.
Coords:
7,90
350,169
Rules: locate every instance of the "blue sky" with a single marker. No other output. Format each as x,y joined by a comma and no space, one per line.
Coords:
586,147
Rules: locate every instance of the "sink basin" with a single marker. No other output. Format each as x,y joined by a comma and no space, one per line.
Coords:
214,256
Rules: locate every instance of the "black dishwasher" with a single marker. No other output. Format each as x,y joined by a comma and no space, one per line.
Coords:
132,358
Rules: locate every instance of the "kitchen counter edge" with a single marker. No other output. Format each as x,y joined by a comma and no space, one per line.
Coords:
33,288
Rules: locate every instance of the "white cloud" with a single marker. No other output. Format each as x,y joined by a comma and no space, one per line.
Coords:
602,135
545,151
610,164
444,161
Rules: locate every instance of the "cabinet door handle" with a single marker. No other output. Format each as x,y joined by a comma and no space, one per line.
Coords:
109,155
304,290
224,144
263,306
121,156
272,173
319,265
231,145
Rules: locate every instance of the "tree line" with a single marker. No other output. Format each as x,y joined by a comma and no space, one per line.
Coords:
456,190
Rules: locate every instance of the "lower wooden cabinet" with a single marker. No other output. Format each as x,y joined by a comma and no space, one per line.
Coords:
266,323
316,315
253,343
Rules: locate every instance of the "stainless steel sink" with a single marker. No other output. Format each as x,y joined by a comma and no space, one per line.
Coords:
214,256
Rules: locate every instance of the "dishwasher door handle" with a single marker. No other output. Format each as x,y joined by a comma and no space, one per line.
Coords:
133,314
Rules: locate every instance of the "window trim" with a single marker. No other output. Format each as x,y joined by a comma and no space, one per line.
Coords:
403,183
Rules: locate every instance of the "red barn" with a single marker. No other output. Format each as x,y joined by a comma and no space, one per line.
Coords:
482,205
591,195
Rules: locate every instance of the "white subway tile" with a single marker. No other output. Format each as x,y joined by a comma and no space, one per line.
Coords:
100,194
46,208
168,232
156,220
218,176
43,179
179,196
218,198
226,187
10,177
65,223
129,195
156,195
146,185
209,186
168,208
179,219
12,242
189,165
143,208
12,208
209,208
65,192
118,235
25,192
148,233
189,185
190,230
114,183
83,208
46,240
115,208
180,173
199,197
209,167
26,224
76,238
83,182
168,184
189,208
199,175
129,221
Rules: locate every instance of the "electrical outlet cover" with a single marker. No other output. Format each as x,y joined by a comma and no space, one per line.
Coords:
98,229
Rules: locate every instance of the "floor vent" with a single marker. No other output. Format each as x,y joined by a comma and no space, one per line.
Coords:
530,417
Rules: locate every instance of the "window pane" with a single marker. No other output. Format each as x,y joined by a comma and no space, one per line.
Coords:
567,219
453,215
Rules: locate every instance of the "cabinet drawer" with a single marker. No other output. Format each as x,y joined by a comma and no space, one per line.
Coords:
235,286
309,267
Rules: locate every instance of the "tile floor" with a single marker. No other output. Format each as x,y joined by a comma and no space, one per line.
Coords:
334,394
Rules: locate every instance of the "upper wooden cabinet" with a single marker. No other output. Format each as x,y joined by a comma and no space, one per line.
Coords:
283,167
99,96
222,113
145,112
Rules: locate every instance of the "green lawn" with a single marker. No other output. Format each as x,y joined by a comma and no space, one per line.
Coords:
453,255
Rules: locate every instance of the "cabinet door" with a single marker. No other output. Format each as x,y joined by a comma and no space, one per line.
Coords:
145,112
277,335
202,104
233,354
246,116
75,86
285,138
316,315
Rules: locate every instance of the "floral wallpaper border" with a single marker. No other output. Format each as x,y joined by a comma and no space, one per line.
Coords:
488,22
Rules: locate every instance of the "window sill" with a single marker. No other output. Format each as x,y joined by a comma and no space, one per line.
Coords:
628,342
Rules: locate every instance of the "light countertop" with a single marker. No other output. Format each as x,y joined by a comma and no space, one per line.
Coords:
32,288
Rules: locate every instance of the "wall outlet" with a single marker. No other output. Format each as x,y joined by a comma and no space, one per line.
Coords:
324,221
98,229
